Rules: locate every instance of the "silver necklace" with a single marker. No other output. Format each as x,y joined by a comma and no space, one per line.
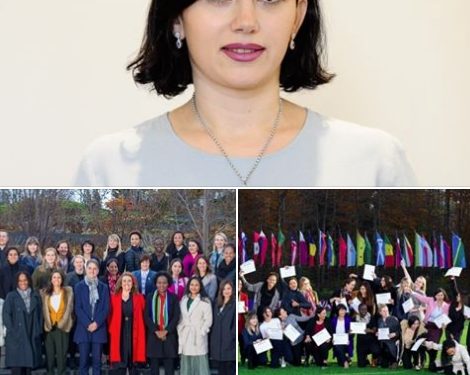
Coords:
274,127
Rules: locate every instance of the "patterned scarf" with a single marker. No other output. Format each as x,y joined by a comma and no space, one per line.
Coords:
26,296
94,296
112,280
156,309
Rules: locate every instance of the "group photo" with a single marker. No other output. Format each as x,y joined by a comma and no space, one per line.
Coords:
364,281
117,281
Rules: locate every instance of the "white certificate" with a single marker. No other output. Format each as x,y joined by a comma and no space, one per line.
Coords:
241,307
274,333
454,271
442,320
466,312
384,334
417,344
369,272
291,333
408,305
340,339
383,298
262,346
321,337
355,304
287,271
248,267
358,328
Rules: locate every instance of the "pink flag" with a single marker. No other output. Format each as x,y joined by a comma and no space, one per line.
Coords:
303,250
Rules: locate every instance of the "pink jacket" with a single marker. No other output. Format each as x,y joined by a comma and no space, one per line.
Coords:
430,305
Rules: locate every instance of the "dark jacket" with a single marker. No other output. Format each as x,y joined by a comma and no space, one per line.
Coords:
8,276
84,314
159,265
149,282
73,278
226,271
223,336
173,253
23,347
297,296
132,258
157,348
112,255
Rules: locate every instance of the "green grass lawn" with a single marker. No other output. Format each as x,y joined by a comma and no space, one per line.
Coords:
334,368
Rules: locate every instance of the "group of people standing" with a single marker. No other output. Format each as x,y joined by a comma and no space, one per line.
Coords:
392,327
173,308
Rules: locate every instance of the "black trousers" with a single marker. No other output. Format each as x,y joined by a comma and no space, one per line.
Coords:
123,371
254,359
411,359
20,371
168,364
319,353
226,367
366,346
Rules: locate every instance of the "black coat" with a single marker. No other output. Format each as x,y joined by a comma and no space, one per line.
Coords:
226,271
173,253
223,337
7,277
112,255
157,348
23,348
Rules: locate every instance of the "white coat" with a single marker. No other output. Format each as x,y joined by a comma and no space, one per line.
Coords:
194,327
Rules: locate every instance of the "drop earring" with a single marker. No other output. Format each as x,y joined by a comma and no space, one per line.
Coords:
292,42
179,43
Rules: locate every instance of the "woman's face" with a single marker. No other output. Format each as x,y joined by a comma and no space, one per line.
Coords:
219,242
92,270
78,265
240,286
293,284
268,314
272,280
176,268
439,297
145,265
126,283
239,44
322,314
135,240
384,312
350,286
363,290
112,243
87,248
192,247
112,268
229,254
12,257
341,313
383,282
253,321
23,282
50,257
63,249
202,266
56,279
32,248
419,283
159,246
162,284
194,287
282,314
227,291
178,239
415,325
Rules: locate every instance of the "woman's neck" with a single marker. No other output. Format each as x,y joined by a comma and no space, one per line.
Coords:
57,289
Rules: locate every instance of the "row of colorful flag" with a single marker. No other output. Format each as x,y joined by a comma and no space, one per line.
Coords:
304,251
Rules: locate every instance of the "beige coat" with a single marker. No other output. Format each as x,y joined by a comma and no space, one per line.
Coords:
194,327
66,322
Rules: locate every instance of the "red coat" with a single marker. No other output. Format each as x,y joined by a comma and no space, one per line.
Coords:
138,328
243,297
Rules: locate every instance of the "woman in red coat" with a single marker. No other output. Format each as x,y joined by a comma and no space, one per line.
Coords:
126,327
242,301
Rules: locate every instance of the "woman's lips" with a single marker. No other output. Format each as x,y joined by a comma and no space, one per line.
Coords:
243,52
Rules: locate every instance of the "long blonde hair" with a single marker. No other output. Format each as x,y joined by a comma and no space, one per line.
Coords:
223,235
305,286
248,326
56,254
116,238
423,280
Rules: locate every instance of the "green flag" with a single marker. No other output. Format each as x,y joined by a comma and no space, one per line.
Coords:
360,247
367,251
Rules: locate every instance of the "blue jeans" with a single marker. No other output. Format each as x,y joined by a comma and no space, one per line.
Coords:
85,349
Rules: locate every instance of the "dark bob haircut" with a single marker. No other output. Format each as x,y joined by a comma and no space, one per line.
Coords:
168,68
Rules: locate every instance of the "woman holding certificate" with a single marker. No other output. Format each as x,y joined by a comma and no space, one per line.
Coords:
319,326
389,335
293,300
342,341
271,329
436,308
294,334
250,336
411,331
